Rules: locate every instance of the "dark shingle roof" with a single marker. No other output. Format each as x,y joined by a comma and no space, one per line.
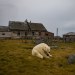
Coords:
37,27
4,28
70,33
15,25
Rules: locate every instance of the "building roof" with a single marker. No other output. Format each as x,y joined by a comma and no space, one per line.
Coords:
70,33
37,27
4,28
49,32
16,25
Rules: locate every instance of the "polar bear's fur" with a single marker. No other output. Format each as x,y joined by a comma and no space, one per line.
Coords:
41,50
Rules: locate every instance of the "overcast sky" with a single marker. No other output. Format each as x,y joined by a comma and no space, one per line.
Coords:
52,13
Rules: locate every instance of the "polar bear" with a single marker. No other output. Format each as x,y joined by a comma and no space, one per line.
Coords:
41,50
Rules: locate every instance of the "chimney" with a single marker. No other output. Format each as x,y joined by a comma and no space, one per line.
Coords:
30,22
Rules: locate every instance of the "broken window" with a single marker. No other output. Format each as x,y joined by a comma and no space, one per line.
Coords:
25,33
32,33
18,33
3,33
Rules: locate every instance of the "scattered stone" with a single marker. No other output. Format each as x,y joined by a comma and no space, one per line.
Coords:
71,59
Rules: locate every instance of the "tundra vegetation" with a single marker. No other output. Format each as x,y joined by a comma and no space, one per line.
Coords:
16,59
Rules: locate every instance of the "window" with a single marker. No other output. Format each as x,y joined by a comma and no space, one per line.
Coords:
25,33
3,33
18,33
39,33
46,34
32,33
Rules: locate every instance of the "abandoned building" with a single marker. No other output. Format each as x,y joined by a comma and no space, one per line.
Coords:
4,32
26,29
69,37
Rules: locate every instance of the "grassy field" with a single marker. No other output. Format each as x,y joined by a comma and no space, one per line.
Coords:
16,59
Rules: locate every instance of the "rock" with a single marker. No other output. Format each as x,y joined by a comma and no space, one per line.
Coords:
71,59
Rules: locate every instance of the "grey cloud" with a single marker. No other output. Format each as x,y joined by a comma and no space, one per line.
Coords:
52,13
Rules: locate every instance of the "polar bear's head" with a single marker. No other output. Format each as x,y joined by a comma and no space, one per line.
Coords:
47,50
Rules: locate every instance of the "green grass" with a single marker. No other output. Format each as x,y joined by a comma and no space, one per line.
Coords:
16,59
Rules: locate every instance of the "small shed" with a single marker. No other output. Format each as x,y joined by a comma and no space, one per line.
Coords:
69,37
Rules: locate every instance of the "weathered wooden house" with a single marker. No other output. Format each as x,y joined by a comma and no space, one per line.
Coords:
29,30
4,32
26,29
69,37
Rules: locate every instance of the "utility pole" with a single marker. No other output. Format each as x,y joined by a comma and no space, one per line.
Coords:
57,32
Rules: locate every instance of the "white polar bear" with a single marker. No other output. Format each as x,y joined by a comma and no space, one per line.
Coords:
41,50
